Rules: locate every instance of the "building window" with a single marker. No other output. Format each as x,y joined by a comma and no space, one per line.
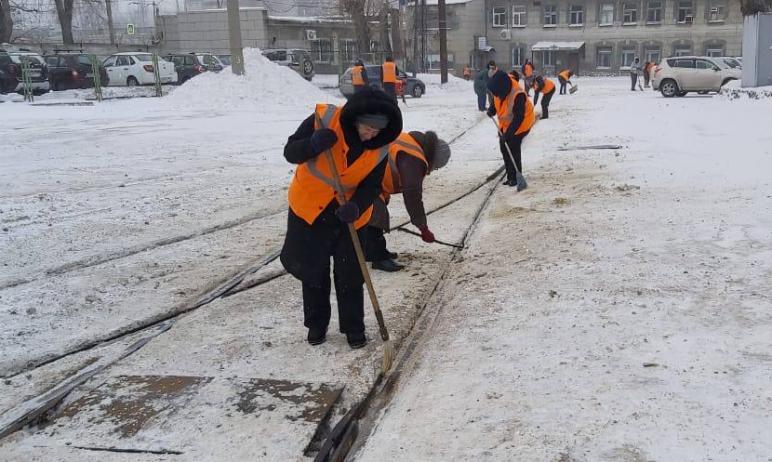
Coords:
630,15
434,62
606,17
684,15
576,15
628,56
714,52
519,16
548,58
517,57
348,49
500,17
604,58
321,50
653,55
550,15
682,50
654,11
716,10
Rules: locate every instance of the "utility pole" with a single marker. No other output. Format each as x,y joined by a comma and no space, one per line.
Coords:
443,42
110,25
415,37
234,33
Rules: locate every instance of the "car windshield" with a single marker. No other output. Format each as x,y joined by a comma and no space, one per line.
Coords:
84,59
30,59
144,58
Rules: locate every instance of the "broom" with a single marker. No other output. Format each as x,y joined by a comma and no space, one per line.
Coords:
521,184
388,347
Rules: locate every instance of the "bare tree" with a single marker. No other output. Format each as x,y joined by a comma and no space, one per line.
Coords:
357,9
751,7
6,21
64,12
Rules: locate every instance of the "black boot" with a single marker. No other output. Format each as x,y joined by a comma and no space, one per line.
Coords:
387,265
392,255
356,340
317,335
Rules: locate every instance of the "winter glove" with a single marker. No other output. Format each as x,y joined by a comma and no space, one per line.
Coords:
348,212
426,235
491,111
323,139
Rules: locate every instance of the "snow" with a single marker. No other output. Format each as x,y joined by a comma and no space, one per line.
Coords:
264,83
618,309
557,46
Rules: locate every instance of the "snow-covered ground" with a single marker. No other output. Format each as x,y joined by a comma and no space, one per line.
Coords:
618,309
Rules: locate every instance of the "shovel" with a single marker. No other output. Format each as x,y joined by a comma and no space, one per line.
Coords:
573,89
521,184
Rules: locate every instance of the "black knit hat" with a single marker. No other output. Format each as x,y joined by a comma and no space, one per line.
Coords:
500,84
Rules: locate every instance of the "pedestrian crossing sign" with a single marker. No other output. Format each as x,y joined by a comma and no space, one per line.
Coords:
130,29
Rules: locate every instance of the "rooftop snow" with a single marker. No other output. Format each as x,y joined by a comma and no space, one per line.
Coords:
539,46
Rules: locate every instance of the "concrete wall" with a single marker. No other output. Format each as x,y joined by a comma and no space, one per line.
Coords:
208,30
699,35
757,51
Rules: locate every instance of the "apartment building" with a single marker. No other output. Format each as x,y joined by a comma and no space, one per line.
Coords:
588,36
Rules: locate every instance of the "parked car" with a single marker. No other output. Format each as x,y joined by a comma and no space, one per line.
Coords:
225,59
679,75
70,70
136,68
298,60
411,85
189,65
11,64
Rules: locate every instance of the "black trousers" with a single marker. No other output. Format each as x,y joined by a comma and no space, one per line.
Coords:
375,244
633,81
545,104
514,144
358,88
390,89
563,83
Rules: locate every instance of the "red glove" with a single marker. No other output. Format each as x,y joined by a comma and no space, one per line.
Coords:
426,235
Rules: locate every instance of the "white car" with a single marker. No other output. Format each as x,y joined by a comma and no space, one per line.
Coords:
679,75
137,69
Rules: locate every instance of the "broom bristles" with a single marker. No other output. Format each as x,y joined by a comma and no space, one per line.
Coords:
388,356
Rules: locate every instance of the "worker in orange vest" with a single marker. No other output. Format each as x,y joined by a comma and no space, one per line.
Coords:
359,76
412,156
528,71
546,87
467,72
564,77
515,116
358,136
389,74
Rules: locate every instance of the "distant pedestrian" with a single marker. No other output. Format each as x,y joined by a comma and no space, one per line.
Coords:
544,86
389,73
481,85
528,75
648,67
467,72
564,77
635,69
359,76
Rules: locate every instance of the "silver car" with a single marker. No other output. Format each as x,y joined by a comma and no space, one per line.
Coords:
298,60
680,75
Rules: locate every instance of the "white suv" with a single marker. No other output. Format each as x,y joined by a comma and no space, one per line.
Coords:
679,75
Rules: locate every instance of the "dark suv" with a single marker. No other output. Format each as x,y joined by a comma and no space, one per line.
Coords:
11,63
70,70
189,65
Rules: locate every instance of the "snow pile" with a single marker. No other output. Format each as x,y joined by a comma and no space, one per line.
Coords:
454,83
265,84
734,90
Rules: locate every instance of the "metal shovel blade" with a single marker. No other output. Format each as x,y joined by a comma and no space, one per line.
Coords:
573,89
521,184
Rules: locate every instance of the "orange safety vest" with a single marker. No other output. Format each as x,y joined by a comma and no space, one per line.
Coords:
313,186
356,75
467,71
528,70
389,72
548,86
504,110
392,184
565,75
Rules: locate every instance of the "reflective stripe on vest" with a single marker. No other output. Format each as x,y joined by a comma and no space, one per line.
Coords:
313,186
392,183
389,72
356,76
505,114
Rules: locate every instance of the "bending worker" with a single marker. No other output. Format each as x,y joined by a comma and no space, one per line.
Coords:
516,117
359,76
564,77
357,135
544,86
411,157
